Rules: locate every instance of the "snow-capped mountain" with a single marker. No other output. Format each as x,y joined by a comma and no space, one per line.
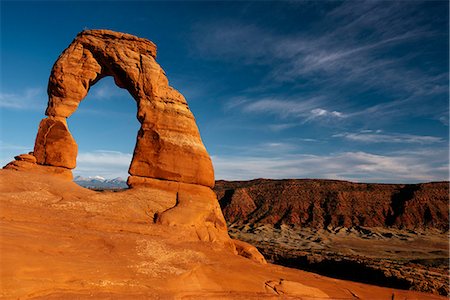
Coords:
99,182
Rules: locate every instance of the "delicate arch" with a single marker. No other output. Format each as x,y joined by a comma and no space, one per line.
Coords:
168,144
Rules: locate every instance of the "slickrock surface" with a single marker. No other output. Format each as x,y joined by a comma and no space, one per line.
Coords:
384,234
62,241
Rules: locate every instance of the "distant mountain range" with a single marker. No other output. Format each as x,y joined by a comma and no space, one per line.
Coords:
98,182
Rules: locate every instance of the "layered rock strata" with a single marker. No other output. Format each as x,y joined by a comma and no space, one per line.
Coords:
393,235
332,203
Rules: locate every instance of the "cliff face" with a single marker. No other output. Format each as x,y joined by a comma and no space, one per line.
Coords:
323,203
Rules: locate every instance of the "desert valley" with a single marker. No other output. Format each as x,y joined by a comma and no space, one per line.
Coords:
383,234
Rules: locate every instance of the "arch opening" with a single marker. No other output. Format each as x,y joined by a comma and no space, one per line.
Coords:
104,127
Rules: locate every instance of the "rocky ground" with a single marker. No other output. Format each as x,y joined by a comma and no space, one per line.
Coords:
386,257
387,235
61,241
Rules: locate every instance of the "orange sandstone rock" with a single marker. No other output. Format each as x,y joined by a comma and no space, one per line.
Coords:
196,208
27,162
168,143
61,241
169,156
55,145
246,250
26,157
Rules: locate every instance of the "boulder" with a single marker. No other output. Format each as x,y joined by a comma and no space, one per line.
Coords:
249,251
26,157
54,144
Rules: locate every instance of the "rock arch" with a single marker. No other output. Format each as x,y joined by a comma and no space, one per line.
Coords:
170,162
168,144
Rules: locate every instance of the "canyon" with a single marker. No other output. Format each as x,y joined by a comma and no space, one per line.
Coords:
393,235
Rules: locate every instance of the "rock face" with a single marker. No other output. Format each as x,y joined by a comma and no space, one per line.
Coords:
61,241
168,143
169,156
55,145
324,203
393,235
28,163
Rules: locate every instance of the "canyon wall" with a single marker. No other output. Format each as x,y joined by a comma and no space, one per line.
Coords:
323,203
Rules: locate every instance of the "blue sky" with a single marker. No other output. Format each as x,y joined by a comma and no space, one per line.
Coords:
301,89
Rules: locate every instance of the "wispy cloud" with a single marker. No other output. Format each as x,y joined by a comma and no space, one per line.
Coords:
9,150
36,98
8,146
304,109
365,62
357,46
105,163
370,136
281,126
322,113
404,107
402,167
28,99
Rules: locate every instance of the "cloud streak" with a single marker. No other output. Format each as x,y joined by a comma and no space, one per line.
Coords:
359,166
356,50
357,47
305,109
29,99
105,163
279,160
370,136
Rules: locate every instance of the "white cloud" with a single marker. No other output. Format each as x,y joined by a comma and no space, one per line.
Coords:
277,147
275,160
368,136
306,109
359,50
105,163
322,113
359,166
28,99
283,108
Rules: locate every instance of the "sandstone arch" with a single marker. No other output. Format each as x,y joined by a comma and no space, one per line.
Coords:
168,144
170,162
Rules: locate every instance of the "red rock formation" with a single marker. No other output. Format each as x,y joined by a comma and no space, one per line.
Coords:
168,143
27,163
169,155
322,203
55,145
61,241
